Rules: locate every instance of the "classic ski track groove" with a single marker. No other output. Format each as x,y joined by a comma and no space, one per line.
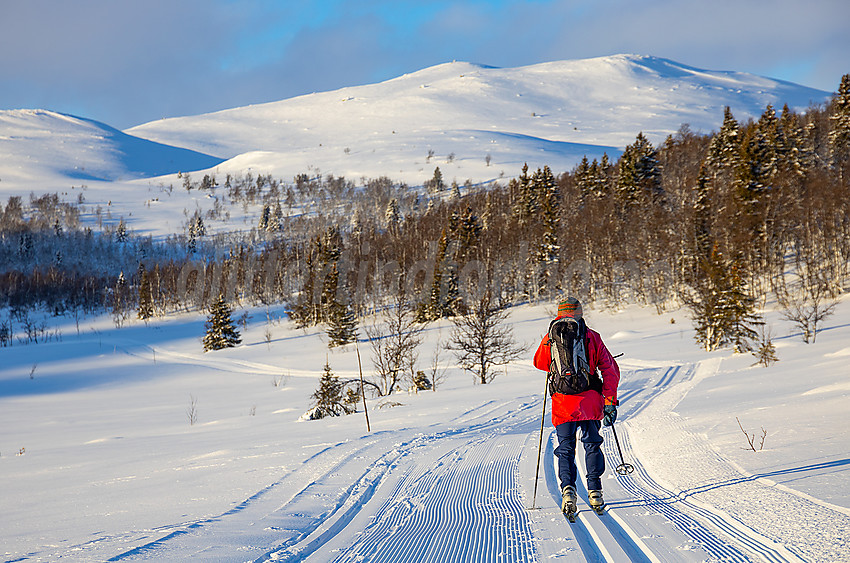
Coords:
307,539
442,495
590,529
646,492
692,519
396,534
407,526
686,515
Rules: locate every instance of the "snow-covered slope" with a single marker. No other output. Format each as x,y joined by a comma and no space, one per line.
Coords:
99,461
550,113
475,122
38,144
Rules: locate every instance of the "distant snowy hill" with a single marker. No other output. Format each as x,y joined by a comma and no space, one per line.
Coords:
475,122
551,113
39,144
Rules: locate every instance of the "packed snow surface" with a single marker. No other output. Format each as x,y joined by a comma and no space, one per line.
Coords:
100,462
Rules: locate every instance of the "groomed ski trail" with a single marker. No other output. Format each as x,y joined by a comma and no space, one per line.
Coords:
461,491
461,478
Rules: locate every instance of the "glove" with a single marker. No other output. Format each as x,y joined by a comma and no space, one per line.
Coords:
609,414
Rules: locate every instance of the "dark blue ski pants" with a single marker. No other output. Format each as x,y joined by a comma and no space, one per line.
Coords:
566,452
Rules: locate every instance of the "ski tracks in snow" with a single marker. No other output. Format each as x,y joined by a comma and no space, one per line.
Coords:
705,504
460,491
453,497
465,507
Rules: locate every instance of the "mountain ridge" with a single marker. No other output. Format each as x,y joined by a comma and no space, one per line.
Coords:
476,122
602,102
43,142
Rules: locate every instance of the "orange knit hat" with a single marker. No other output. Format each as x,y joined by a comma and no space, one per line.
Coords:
569,307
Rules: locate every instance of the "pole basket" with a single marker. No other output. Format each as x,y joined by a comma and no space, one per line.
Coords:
625,469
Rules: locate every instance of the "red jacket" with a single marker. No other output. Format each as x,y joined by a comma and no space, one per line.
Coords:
587,405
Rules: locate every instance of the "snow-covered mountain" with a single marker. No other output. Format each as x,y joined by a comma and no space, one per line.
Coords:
37,145
551,113
461,113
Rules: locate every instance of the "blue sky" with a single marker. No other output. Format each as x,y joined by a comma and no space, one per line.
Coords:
126,62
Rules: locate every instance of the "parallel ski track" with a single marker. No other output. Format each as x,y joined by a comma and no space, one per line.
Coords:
629,390
677,508
656,497
307,529
447,510
459,495
431,516
648,493
187,528
592,548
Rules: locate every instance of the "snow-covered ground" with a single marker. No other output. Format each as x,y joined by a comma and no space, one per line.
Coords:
98,460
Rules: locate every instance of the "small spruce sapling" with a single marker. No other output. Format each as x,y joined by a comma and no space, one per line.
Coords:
221,330
765,352
329,400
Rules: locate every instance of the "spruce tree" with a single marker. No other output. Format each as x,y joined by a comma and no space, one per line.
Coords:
443,299
328,397
770,134
221,330
265,216
121,232
392,215
276,219
145,310
723,311
320,284
549,250
583,180
436,183
703,213
342,323
526,203
754,172
330,251
454,248
601,175
794,158
468,232
304,311
839,127
724,150
639,175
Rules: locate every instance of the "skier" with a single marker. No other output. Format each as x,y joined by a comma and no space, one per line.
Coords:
571,353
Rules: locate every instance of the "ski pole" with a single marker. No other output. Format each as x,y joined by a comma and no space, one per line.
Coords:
624,468
540,444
